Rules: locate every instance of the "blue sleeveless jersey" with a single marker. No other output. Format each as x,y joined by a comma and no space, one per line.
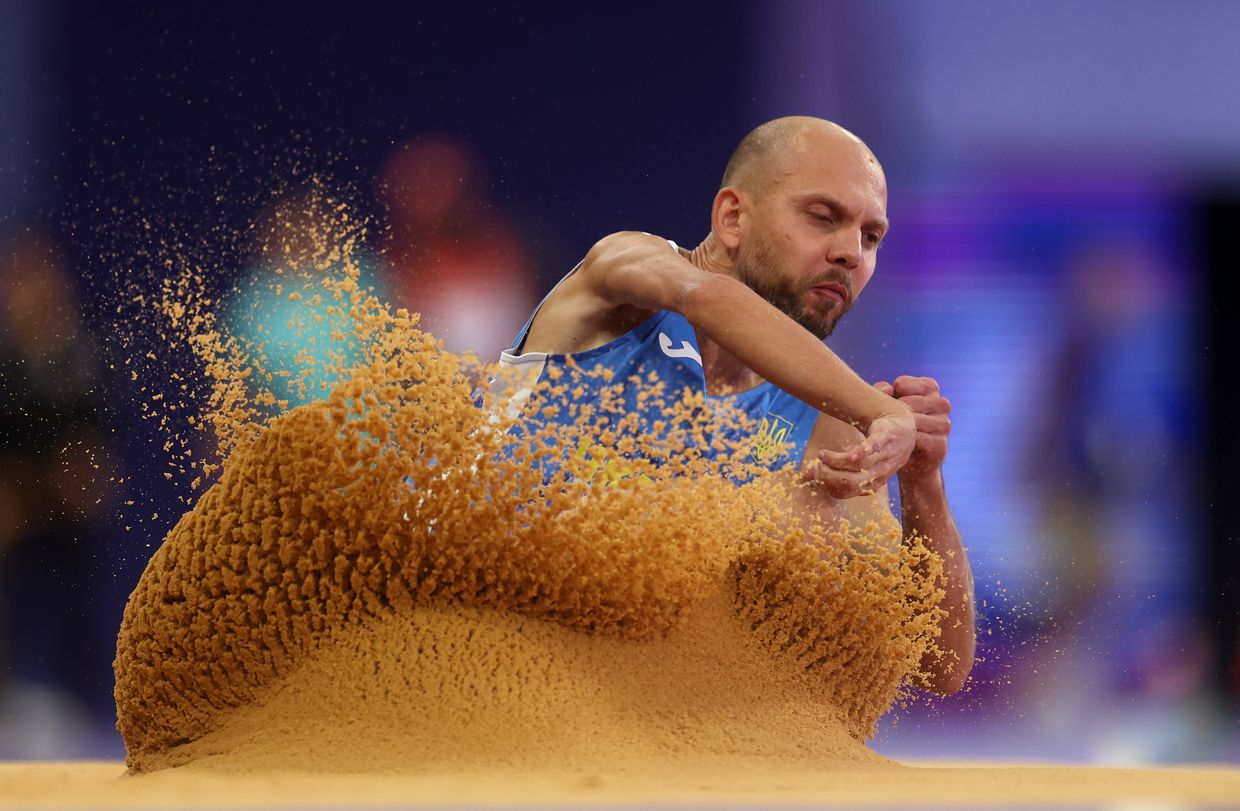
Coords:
662,348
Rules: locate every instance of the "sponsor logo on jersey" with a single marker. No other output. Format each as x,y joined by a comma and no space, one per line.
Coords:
685,350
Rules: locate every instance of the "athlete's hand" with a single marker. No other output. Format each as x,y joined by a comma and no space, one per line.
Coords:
867,465
930,409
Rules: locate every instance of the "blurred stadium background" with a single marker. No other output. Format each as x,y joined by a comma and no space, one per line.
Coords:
1064,182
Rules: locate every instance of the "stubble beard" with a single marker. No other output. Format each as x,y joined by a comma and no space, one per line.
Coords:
761,273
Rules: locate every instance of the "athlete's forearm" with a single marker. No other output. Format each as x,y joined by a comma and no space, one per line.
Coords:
781,350
924,507
641,271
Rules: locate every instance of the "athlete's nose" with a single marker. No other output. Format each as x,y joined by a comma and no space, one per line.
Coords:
845,249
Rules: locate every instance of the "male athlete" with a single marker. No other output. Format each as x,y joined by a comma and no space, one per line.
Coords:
794,233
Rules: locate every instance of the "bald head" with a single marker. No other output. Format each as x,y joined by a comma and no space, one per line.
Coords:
803,205
764,155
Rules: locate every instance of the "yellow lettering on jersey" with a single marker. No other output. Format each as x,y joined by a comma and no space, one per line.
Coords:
598,462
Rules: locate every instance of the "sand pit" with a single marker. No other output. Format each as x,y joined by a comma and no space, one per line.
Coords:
580,593
469,689
383,597
940,785
313,611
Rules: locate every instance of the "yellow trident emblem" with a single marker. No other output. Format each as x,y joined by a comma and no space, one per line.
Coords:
772,434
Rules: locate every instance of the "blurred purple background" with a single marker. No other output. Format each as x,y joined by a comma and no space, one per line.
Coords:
1063,181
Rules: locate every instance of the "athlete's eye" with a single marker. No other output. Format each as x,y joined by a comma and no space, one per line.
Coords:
873,238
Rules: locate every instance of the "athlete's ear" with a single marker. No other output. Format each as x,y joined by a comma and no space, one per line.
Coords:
725,217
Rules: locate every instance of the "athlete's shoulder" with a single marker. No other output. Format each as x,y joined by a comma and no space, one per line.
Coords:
617,286
624,247
626,239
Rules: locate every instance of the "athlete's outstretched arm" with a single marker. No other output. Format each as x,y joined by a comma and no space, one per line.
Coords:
924,510
643,272
923,498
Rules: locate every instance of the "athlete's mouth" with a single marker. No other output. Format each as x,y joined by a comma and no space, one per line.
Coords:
831,290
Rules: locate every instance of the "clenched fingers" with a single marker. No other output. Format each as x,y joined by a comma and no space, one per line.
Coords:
927,404
935,424
838,484
906,385
855,458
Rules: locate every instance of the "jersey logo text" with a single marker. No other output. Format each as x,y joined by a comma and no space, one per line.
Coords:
685,350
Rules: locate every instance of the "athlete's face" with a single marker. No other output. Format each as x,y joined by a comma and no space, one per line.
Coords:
813,233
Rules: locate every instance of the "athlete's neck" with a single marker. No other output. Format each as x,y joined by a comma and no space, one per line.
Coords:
725,374
710,255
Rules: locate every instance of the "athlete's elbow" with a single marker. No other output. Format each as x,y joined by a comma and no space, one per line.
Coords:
946,671
949,681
